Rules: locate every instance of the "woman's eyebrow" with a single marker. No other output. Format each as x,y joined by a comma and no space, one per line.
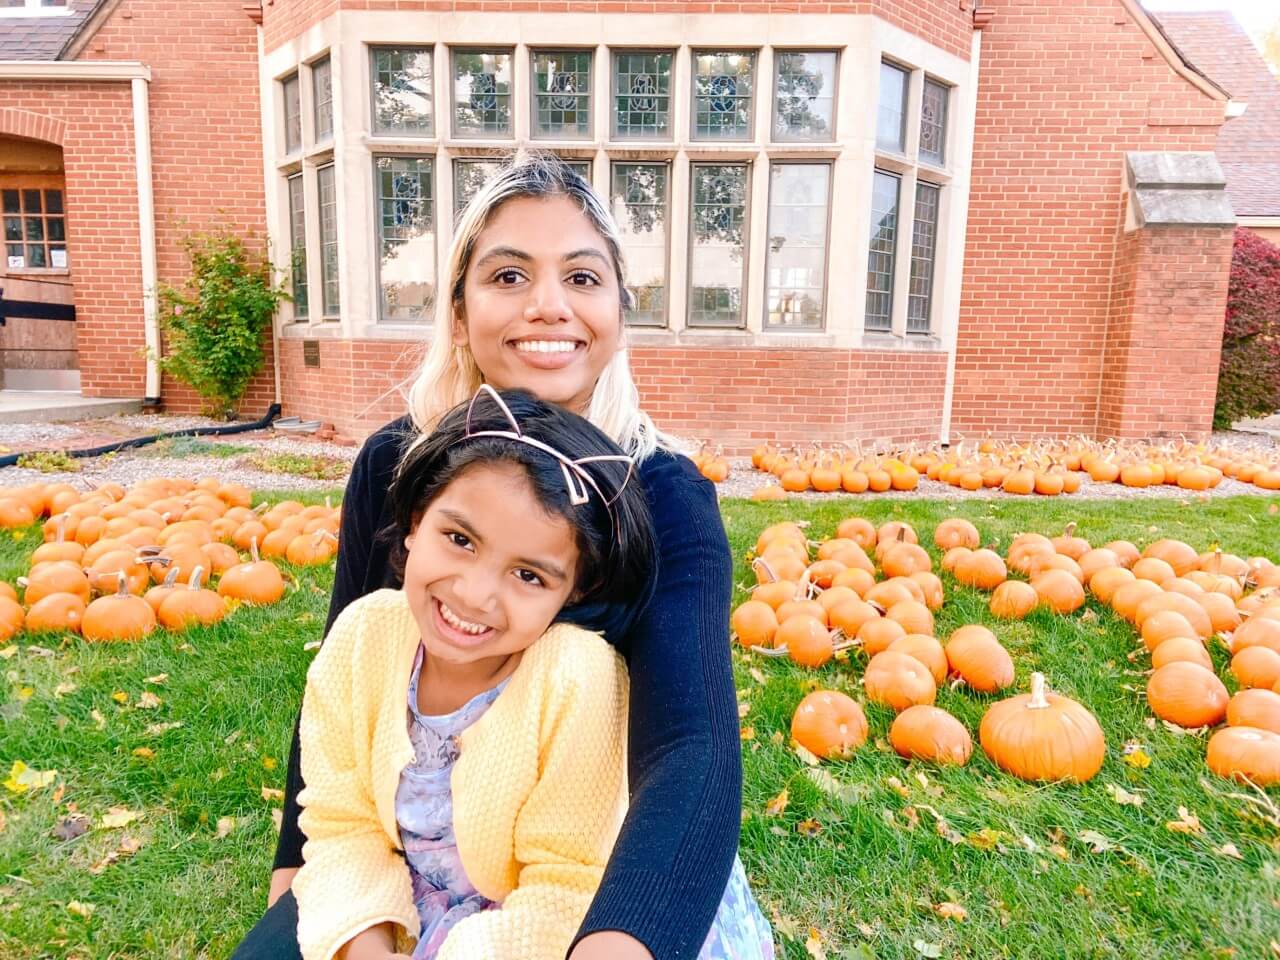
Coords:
504,253
586,252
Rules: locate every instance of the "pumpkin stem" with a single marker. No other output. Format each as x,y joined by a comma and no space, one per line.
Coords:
328,504
193,582
121,584
1037,701
253,548
1070,529
262,508
170,577
62,528
773,577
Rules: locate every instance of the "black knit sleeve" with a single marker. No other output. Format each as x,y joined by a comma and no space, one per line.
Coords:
362,508
669,868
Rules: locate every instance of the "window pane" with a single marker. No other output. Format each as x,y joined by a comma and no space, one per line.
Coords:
924,244
891,120
642,95
562,94
468,177
16,257
322,95
796,263
638,198
406,236
13,228
10,201
481,93
805,88
722,87
53,201
35,228
402,91
933,123
57,229
35,256
298,246
884,233
31,201
292,115
581,167
328,189
717,261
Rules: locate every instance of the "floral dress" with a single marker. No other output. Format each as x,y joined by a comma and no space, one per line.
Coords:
441,891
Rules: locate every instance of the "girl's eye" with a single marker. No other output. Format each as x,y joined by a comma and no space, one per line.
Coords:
529,577
458,539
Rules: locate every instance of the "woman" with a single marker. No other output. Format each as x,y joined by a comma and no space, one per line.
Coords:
535,300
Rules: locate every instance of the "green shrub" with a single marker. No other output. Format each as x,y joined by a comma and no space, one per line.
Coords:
214,324
49,461
1249,374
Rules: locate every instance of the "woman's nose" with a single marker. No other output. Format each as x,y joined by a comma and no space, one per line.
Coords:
547,302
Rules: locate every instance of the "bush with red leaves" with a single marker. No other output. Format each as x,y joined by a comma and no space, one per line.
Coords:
1249,375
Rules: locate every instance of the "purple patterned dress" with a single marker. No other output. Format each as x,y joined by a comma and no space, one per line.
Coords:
441,890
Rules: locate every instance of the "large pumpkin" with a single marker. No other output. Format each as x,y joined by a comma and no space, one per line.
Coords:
829,724
117,617
923,732
898,680
1043,736
1059,591
1187,694
1245,753
1255,708
976,656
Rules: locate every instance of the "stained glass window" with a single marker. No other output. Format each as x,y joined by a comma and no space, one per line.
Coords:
469,175
581,167
292,114
933,123
327,187
639,200
717,257
322,96
35,231
298,246
722,95
642,95
924,248
796,257
804,95
402,79
884,236
891,118
562,94
406,237
481,93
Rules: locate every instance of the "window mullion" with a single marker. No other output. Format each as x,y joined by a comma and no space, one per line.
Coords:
902,253
680,228
522,98
754,252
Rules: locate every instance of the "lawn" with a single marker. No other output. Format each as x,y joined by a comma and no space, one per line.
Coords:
858,863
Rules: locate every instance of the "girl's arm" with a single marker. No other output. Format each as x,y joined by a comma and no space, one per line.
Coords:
353,881
362,504
668,871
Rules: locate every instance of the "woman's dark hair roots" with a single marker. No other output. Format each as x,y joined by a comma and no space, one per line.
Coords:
616,544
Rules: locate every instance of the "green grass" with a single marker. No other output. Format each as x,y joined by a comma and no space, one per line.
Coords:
868,884
300,464
181,447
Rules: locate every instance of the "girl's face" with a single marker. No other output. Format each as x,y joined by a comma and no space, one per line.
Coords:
541,304
488,567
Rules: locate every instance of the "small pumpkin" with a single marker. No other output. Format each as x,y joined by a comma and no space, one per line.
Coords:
859,530
6,590
11,618
1183,648
931,587
924,732
191,604
58,612
956,532
983,569
1153,569
257,582
1163,626
829,724
1104,583
977,657
904,559
913,615
899,681
1095,561
1059,590
1245,753
926,649
1256,667
1257,631
1255,708
1166,601
806,639
118,617
160,592
1187,694
1042,736
796,608
754,623
1126,600
1069,545
1181,557
1013,600
58,576
876,635
848,616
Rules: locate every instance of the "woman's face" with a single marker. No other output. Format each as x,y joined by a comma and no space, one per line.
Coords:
488,568
541,304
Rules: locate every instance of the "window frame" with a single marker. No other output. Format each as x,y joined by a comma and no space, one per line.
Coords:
614,53
940,162
379,240
765,325
694,53
932,261
904,124
773,96
294,78
328,311
317,137
744,313
509,136
298,243
894,258
36,8
44,183
668,166
374,130
560,137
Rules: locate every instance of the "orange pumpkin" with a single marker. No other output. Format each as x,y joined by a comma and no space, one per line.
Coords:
1013,600
118,617
191,604
1257,631
6,590
955,532
931,587
1163,626
829,724
904,559
983,569
927,650
977,657
1095,561
899,681
1153,569
1042,736
1187,695
858,530
806,639
1183,648
924,732
1245,753
755,623
1069,545
257,582
1126,600
1256,667
1059,591
1179,603
876,635
58,612
913,615
1181,557
58,576
848,616
11,618
1104,583
1255,708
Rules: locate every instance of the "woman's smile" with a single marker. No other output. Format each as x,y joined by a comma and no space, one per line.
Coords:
546,353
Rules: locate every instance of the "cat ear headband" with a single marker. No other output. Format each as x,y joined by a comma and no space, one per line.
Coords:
578,480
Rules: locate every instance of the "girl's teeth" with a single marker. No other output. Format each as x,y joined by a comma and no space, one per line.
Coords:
466,626
545,346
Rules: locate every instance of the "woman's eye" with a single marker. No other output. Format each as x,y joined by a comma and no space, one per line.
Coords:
507,277
582,278
529,577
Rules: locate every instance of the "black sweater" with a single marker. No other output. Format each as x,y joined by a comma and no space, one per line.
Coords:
671,863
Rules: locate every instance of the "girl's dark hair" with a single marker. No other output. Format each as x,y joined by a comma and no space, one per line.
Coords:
616,543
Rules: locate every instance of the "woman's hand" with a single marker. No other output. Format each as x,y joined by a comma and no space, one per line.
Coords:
610,945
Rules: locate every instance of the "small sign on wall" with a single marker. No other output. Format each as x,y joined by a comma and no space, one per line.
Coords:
17,263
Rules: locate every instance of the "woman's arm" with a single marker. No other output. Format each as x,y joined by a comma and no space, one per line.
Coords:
669,868
362,504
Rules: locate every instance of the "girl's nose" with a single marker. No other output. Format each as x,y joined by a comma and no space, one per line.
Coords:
476,590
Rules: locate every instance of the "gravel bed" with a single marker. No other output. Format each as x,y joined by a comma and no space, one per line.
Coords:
54,433
127,469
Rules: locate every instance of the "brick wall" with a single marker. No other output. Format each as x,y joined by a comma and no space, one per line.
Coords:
944,23
1065,90
738,397
206,154
1160,360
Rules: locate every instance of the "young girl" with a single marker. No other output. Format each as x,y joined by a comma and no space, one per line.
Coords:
464,752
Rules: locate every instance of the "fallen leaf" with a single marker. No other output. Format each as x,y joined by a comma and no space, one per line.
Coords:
271,793
950,911
813,945
743,710
1138,759
986,838
828,784
81,909
158,679
148,701
269,763
776,737
786,926
8,652
62,689
120,697
23,778
225,826
98,719
1229,850
1123,797
1059,851
746,733
1096,841
805,755
809,828
117,817
68,828
757,676
898,787
128,847
311,645
1187,822
926,949
144,753
778,804
34,651
155,729
58,791
858,951
26,692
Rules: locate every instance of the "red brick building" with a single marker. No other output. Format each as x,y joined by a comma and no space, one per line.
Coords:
896,219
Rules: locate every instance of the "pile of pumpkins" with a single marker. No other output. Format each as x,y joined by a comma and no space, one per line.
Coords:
1047,468
116,563
810,609
712,463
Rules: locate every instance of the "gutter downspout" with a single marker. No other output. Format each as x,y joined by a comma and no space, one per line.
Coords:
269,179
980,20
147,237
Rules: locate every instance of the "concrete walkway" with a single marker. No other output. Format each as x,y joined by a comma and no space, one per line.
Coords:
46,406
1266,425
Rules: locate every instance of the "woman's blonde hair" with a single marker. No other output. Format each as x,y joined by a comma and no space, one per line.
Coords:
449,374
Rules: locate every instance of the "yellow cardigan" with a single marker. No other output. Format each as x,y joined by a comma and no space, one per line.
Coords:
539,789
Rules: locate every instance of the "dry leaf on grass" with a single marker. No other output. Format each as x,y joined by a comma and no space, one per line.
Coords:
23,778
271,793
1187,822
84,910
778,804
120,697
117,817
1096,841
225,826
158,679
809,828
68,828
1229,850
1123,797
950,911
148,701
